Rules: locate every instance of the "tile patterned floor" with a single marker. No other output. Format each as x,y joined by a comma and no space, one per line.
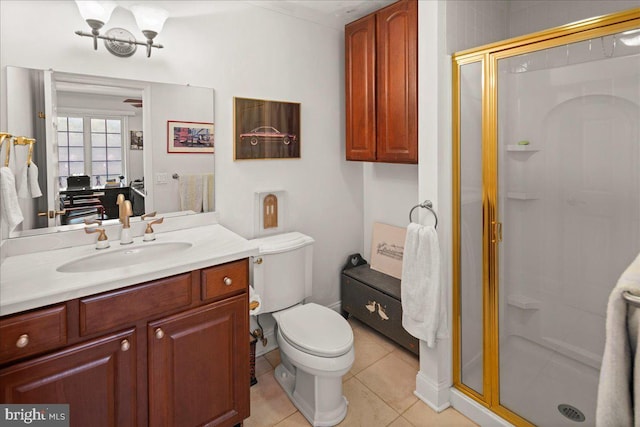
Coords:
379,389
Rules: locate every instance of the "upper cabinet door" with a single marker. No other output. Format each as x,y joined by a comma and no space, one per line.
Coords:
397,65
360,80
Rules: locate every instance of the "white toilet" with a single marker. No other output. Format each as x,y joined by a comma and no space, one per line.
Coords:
316,343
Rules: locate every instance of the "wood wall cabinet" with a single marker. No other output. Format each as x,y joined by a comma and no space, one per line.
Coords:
171,352
381,78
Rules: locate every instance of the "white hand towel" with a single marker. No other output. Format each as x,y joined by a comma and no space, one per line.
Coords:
34,185
27,182
10,213
421,292
191,193
619,386
207,192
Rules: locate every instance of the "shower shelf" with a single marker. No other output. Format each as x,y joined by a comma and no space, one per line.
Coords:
522,195
522,148
523,302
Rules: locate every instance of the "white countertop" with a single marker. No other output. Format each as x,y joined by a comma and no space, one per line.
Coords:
30,280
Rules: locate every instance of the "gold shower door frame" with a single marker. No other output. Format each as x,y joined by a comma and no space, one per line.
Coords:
489,56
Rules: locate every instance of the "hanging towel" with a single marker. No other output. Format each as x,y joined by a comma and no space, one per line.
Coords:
207,192
191,193
27,182
421,292
10,213
34,185
619,386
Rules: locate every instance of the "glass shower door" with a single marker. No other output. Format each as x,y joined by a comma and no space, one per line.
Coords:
471,353
569,202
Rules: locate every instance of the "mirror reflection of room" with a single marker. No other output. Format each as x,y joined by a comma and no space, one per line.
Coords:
102,140
95,159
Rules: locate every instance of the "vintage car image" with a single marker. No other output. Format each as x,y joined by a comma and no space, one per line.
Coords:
263,133
266,129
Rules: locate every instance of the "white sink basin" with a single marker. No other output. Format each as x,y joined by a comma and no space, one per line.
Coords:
124,257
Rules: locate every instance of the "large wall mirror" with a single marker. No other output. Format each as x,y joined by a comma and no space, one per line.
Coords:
97,137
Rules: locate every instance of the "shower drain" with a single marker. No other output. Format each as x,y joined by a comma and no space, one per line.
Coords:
571,412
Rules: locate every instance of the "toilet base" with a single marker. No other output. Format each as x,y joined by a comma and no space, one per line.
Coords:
319,399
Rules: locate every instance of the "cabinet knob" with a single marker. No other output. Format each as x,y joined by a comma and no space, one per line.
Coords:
227,281
23,341
125,345
159,333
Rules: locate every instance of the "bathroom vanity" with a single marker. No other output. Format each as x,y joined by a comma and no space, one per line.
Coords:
172,350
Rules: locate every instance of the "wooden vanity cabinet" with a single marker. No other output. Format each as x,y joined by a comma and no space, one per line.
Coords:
381,79
170,352
97,379
187,389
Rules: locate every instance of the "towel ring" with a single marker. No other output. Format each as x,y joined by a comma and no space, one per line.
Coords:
427,204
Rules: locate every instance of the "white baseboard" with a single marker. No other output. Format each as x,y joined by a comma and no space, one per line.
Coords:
433,394
476,412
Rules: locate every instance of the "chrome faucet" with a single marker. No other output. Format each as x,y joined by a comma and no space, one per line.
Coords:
124,212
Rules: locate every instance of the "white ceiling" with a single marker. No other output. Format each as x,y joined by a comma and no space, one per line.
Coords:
333,13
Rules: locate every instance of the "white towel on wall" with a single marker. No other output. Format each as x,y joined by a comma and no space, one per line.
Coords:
10,213
423,311
190,193
207,192
619,386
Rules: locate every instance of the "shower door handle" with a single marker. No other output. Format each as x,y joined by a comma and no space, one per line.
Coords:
497,232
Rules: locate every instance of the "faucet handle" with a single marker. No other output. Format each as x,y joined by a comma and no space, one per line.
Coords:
103,241
149,234
92,221
148,215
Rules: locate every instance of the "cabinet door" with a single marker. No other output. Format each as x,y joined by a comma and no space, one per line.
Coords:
97,379
199,366
360,75
397,62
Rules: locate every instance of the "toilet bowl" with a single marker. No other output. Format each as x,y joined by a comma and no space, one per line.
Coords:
316,350
316,343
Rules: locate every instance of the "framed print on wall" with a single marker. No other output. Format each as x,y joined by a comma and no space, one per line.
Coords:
266,129
189,137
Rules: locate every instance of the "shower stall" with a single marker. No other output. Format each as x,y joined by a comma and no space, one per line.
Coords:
546,213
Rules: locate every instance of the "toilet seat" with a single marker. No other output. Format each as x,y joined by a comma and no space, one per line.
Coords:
316,330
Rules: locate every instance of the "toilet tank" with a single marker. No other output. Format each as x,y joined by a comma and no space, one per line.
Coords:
281,274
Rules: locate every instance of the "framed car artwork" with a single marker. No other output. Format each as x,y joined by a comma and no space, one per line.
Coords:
266,129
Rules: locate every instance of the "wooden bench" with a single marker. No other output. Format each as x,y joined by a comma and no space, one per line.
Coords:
374,298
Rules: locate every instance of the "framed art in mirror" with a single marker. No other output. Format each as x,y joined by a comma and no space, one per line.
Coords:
190,137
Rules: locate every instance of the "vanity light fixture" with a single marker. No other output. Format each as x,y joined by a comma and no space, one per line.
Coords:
119,41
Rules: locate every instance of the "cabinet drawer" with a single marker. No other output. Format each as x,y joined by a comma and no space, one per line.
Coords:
126,306
378,310
223,280
31,333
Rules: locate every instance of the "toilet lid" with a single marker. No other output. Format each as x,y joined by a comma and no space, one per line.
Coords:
317,330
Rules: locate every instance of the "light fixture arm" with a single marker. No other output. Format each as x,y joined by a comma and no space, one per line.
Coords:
96,35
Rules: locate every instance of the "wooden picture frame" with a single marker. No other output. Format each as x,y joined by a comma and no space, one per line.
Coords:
266,129
190,137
